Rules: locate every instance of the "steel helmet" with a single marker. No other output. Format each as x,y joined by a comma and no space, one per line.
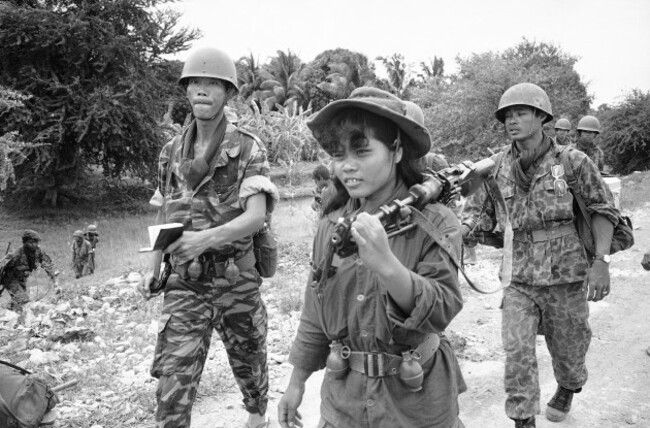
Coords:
30,235
78,233
526,94
91,228
589,123
563,124
209,62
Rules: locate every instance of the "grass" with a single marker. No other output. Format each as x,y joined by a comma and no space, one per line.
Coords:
123,324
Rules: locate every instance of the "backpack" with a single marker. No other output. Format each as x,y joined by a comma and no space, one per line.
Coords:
24,397
623,236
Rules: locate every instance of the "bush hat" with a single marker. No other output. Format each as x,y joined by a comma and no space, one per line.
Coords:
416,140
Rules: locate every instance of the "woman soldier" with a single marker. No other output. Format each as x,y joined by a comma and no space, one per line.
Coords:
383,311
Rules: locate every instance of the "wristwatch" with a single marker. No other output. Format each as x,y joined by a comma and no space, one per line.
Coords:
605,258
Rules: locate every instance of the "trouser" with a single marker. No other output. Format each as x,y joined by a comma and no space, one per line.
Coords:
562,313
192,309
19,296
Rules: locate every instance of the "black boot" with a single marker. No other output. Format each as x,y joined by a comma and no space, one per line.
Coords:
560,404
525,423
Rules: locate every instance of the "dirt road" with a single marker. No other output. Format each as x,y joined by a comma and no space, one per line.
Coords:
616,395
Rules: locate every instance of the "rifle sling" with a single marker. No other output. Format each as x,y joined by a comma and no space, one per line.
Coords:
446,246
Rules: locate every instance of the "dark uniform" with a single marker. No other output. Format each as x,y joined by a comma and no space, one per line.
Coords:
81,258
17,266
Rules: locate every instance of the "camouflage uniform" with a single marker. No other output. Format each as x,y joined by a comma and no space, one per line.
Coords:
93,238
193,308
549,267
81,258
17,267
595,153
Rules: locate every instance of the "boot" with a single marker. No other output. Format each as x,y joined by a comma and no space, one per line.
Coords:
525,423
560,404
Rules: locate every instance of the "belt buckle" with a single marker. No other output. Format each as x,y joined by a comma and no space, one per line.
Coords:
375,364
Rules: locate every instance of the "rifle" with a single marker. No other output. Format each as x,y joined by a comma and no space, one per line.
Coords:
492,239
442,186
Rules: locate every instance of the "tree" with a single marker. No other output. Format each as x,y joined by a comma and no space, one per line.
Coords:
248,76
97,82
400,77
626,133
12,149
460,113
432,70
334,74
281,83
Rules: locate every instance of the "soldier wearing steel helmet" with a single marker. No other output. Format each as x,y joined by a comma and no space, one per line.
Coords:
588,131
81,252
16,267
562,131
214,180
92,236
551,279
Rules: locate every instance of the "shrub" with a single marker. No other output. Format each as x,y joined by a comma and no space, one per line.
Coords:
626,133
284,131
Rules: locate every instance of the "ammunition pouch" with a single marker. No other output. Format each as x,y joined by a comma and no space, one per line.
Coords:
213,265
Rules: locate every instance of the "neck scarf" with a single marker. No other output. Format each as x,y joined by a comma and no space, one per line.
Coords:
194,169
527,161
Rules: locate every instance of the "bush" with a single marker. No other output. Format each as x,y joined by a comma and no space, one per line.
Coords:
626,133
284,131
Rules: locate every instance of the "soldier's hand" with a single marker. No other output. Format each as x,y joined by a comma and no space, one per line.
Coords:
598,281
646,261
468,238
288,414
371,237
189,246
145,285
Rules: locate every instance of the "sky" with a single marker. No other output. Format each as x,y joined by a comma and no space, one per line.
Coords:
611,38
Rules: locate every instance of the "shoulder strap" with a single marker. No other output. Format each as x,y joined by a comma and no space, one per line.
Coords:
172,151
572,182
499,160
443,243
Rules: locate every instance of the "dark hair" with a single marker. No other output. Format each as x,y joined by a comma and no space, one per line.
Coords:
351,125
321,172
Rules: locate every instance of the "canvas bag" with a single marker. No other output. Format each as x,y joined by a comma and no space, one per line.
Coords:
265,248
623,236
24,398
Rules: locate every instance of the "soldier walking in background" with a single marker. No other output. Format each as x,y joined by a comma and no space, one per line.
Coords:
321,176
218,176
81,253
92,236
562,131
16,267
587,140
551,279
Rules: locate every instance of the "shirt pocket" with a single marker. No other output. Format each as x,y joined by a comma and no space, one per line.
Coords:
556,202
224,180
